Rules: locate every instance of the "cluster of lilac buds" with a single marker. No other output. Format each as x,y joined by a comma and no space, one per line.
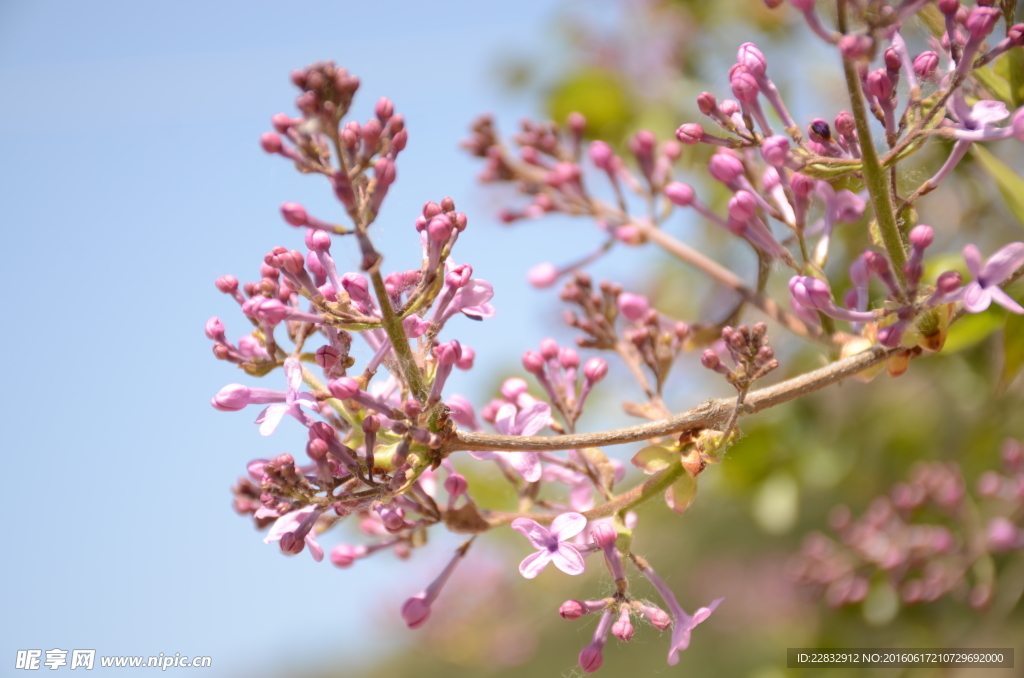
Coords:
920,558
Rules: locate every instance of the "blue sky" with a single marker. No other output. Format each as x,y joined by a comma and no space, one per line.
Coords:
131,177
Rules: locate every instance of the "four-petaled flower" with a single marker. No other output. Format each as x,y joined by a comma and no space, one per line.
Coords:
551,544
984,289
269,418
512,421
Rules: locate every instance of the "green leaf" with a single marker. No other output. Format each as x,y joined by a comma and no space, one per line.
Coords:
653,458
1011,67
972,329
682,493
1010,184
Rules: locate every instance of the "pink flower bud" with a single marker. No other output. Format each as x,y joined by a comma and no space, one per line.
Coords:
415,612
459,276
659,618
317,240
744,85
921,236
343,555
542,275
742,206
634,306
948,6
568,357
549,348
710,359
751,57
294,213
623,628
595,370
981,21
448,353
925,64
810,292
228,284
591,659
281,122
465,362
854,46
725,167
775,149
327,356
384,109
456,485
802,185
572,609
706,102
513,388
533,362
892,60
729,107
343,388
679,193
1001,535
1018,124
316,449
845,123
948,282
231,398
271,142
440,228
431,209
215,329
604,535
690,133
879,85
601,155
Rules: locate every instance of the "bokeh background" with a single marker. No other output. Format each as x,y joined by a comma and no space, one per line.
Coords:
131,177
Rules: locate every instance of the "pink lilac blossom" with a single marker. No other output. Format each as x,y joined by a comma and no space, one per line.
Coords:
551,544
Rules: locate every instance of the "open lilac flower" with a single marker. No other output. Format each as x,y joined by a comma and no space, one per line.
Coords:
511,421
984,289
269,418
295,530
551,544
682,623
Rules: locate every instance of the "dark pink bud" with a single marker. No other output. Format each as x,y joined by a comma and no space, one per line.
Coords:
604,535
802,185
533,362
459,276
679,193
710,359
591,659
744,85
316,449
981,21
431,209
572,609
948,6
845,123
271,142
729,107
879,85
568,357
215,329
294,213
228,284
415,612
948,282
317,240
925,64
327,356
456,485
921,236
384,109
595,370
343,388
725,167
691,133
892,60
549,348
448,353
706,102
855,46
623,628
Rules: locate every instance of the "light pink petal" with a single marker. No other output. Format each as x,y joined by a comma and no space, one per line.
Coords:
505,420
483,456
976,298
315,549
986,112
568,559
307,400
480,311
680,641
526,464
581,497
973,259
289,522
293,373
705,612
567,525
532,419
264,512
1005,300
270,418
538,535
475,293
1003,263
534,563
255,469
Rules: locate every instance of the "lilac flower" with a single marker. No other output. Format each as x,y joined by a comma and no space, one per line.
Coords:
551,544
985,288
295,530
511,421
269,418
682,623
